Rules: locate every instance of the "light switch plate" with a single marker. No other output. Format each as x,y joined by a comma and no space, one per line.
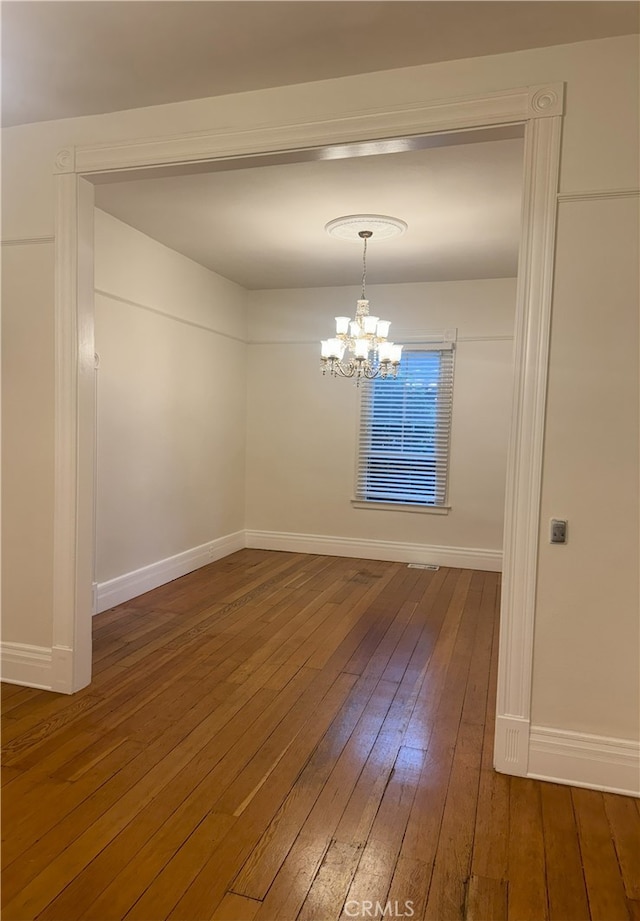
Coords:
558,531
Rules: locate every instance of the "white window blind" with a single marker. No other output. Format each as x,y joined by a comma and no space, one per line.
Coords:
403,454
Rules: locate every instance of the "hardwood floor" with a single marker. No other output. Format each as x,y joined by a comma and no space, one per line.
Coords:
286,736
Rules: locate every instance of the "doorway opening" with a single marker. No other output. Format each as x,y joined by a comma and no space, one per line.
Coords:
537,111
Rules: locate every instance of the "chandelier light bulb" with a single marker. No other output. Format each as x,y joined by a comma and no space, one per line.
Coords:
336,349
361,349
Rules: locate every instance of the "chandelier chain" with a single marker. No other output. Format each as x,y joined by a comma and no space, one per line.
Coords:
364,266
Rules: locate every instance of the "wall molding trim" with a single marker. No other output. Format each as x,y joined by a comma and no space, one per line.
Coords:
169,316
42,667
526,438
314,342
361,548
511,745
584,760
27,241
131,584
597,194
528,103
30,666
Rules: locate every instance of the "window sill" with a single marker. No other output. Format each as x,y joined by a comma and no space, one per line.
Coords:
395,507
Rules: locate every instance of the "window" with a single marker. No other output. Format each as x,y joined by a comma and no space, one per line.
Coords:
403,453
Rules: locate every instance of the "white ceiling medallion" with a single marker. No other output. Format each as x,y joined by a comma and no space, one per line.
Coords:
350,226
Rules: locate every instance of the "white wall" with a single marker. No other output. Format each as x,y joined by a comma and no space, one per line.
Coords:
587,640
302,429
594,294
170,336
27,443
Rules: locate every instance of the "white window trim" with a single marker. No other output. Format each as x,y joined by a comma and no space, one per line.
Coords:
396,507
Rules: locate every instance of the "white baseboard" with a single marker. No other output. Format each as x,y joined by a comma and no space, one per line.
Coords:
359,548
26,665
511,745
131,584
583,760
42,667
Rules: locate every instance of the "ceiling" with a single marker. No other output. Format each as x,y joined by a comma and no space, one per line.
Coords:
263,226
261,223
62,59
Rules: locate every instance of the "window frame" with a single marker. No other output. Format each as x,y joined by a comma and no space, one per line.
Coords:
444,344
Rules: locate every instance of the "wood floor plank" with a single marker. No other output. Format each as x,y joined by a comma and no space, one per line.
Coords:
380,851
181,869
236,908
327,892
439,733
633,906
14,695
209,887
409,887
284,898
31,821
527,877
453,858
330,816
452,864
486,900
117,796
491,839
565,880
313,808
452,598
605,886
624,822
202,781
277,733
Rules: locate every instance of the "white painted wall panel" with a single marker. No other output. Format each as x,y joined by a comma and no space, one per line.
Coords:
171,403
587,635
27,443
302,428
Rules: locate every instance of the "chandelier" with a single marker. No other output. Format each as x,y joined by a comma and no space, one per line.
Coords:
365,338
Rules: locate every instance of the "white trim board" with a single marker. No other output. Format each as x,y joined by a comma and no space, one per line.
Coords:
166,315
584,760
41,667
26,665
26,241
131,584
359,548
